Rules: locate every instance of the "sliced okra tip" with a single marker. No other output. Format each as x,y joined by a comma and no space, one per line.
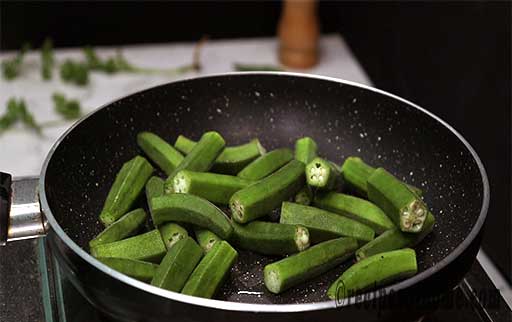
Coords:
237,211
413,216
302,238
318,172
180,183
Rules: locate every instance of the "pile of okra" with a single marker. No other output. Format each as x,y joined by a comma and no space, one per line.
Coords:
329,214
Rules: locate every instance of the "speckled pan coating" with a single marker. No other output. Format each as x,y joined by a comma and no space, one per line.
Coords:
343,119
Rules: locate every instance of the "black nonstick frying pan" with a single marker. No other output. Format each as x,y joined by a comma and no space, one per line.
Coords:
344,118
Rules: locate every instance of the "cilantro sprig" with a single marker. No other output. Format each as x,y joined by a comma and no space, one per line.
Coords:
47,59
74,72
69,109
11,67
17,112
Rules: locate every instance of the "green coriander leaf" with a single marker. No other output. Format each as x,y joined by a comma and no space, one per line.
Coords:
47,59
68,109
74,72
10,116
123,64
17,111
110,65
27,118
92,60
11,67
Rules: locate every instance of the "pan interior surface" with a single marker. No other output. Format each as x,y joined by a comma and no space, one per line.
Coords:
344,119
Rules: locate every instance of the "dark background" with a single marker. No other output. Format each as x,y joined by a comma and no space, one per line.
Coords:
451,58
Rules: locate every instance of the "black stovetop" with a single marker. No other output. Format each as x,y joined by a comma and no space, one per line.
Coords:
32,289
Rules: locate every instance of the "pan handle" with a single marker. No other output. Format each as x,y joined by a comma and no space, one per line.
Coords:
20,212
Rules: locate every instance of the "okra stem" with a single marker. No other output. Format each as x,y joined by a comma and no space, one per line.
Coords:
374,271
270,238
305,149
403,207
314,261
266,164
258,199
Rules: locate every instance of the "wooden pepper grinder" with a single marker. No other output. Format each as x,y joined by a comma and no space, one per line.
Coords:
298,32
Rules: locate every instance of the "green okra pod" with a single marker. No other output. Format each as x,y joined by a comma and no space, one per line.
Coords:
232,159
159,151
316,260
172,233
214,187
184,144
395,239
403,207
305,149
127,186
304,196
145,247
322,174
324,225
373,271
355,208
258,199
177,265
201,158
355,173
270,238
154,188
206,238
124,227
143,271
185,208
266,164
211,271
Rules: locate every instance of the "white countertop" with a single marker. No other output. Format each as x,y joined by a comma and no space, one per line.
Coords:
22,152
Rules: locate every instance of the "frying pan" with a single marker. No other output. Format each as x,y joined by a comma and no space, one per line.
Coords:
344,118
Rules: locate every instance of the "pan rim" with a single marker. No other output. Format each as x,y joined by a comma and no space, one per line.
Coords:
269,308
